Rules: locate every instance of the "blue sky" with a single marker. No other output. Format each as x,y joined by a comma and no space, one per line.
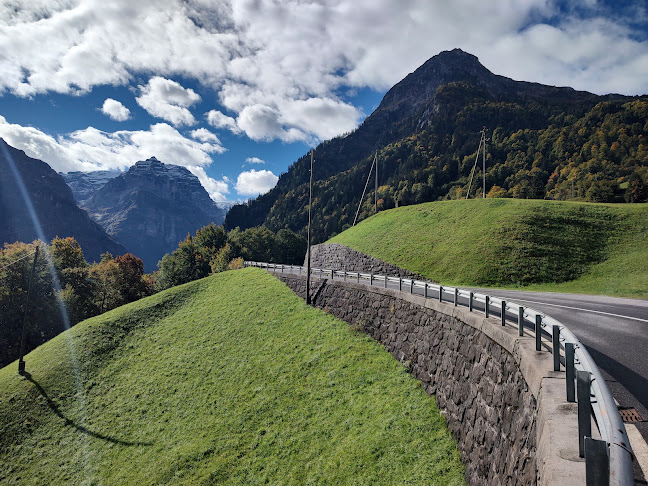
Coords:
237,90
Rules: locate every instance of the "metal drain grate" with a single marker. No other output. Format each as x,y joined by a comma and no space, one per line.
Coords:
630,415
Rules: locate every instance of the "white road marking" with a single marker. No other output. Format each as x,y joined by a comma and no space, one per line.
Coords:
584,310
639,447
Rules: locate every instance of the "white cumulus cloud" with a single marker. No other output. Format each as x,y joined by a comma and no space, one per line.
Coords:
216,189
115,110
92,149
255,182
262,122
278,67
167,99
218,119
254,160
204,135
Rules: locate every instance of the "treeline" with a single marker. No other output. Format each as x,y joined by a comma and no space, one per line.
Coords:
62,278
538,149
213,250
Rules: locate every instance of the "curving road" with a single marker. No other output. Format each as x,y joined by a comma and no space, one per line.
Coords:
615,332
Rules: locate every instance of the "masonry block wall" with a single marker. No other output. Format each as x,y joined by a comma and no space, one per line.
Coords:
334,256
489,408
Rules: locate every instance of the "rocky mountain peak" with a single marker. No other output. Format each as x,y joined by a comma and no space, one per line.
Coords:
419,87
152,207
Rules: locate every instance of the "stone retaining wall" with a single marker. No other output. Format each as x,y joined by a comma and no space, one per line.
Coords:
487,381
334,256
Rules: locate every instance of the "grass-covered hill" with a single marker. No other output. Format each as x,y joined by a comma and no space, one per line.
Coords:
231,379
545,245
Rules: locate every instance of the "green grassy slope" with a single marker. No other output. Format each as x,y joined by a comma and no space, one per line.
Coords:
227,380
543,245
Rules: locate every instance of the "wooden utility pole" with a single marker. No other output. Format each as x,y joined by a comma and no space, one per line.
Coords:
310,203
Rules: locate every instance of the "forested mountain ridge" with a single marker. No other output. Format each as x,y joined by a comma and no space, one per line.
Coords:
545,142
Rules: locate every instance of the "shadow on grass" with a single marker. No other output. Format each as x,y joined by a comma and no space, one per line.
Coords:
71,423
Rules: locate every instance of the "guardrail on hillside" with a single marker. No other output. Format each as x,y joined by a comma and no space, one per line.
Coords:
609,458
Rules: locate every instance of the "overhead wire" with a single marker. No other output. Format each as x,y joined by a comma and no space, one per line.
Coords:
28,255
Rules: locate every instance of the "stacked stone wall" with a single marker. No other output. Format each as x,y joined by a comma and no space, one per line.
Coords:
489,408
339,257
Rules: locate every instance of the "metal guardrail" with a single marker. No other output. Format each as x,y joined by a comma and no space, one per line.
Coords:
583,376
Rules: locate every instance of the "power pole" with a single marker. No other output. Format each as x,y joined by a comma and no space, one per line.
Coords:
21,361
376,190
310,203
363,192
484,160
482,141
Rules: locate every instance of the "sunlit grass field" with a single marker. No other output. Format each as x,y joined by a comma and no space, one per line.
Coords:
227,380
541,245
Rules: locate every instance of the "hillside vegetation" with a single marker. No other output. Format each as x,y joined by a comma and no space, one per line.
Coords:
544,143
206,383
544,245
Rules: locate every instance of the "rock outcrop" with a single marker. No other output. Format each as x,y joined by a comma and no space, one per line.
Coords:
152,207
85,184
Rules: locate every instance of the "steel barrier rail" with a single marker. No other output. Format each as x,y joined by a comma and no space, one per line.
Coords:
606,414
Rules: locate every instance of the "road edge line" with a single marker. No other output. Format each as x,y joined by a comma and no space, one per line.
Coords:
639,447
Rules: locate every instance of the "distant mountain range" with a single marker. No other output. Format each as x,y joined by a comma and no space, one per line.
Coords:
543,142
52,202
150,208
146,210
85,184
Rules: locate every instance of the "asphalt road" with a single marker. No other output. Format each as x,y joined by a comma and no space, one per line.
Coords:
614,331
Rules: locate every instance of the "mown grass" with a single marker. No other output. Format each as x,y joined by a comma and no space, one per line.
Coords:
227,380
541,245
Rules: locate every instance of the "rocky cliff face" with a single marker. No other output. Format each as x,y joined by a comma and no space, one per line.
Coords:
152,207
85,184
52,203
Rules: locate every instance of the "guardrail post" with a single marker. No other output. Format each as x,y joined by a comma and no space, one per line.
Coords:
300,269
411,285
597,466
400,284
358,276
456,296
440,293
555,340
503,313
282,268
538,332
584,405
385,281
570,372
425,291
345,275
371,279
470,301
487,306
520,321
